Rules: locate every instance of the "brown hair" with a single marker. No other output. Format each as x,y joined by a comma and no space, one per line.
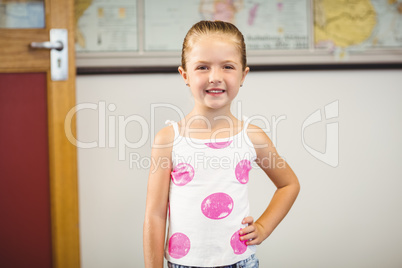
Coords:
203,28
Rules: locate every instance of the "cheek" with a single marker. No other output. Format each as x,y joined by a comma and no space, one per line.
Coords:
196,90
198,80
233,93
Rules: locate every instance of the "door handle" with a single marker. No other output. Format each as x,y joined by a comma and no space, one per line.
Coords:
48,45
58,46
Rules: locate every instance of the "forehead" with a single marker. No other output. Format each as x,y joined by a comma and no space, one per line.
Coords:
214,46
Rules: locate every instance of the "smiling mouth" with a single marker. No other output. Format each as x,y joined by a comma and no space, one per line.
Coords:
215,91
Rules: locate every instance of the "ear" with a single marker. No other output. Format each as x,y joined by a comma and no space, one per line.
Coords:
183,73
245,72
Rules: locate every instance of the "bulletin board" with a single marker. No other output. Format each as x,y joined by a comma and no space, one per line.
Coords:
148,34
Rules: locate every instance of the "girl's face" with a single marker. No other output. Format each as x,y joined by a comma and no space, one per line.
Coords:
214,71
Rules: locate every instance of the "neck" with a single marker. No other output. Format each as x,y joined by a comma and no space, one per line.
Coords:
214,118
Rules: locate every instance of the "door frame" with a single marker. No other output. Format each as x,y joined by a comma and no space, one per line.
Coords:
60,99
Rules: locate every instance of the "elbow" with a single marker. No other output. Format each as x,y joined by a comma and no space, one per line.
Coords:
293,188
296,186
154,218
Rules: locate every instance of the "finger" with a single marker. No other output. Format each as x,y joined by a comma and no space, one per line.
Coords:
249,236
246,230
252,242
248,220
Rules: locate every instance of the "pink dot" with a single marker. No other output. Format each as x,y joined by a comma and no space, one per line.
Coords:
217,206
242,170
182,174
179,245
218,145
239,247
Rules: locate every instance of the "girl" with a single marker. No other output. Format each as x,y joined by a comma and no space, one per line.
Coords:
204,161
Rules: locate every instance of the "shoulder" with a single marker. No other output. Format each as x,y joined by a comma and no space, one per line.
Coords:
263,145
258,137
164,137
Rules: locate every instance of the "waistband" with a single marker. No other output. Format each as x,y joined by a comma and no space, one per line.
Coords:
236,265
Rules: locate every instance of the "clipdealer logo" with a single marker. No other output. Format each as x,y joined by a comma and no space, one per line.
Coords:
331,154
111,132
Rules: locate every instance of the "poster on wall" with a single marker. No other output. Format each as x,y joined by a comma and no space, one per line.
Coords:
103,25
357,26
265,24
276,32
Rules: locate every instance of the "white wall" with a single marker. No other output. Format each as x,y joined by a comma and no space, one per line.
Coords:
345,216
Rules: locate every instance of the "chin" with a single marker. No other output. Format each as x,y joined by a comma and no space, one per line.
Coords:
216,105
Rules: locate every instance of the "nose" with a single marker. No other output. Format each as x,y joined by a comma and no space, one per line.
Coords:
215,76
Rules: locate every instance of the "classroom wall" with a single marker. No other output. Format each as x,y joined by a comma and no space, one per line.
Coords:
349,211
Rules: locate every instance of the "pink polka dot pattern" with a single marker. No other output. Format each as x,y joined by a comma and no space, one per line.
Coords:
239,247
242,170
182,174
218,145
217,206
179,245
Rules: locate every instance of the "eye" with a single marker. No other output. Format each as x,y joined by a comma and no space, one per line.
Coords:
228,67
202,67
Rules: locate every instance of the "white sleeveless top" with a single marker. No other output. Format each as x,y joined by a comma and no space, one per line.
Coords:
208,199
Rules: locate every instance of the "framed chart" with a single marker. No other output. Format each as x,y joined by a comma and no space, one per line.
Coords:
148,34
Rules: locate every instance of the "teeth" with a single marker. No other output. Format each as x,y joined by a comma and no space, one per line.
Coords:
215,91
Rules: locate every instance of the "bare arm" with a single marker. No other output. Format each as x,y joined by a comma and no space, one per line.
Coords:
157,199
285,181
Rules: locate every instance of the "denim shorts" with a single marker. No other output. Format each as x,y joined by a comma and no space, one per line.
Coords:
250,262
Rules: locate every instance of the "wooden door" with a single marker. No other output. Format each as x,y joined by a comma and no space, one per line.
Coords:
38,170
